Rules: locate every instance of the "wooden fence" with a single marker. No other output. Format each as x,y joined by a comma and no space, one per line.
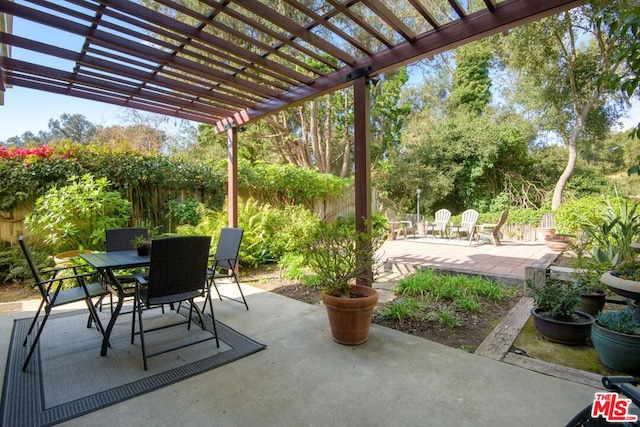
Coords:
12,223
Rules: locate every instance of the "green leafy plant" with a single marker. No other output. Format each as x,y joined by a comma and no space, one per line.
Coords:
269,233
13,265
621,321
556,299
337,255
446,318
77,215
609,236
587,269
426,284
400,309
185,212
292,266
141,242
573,213
442,297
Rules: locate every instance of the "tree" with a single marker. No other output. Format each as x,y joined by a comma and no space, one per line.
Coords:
139,137
471,81
557,64
459,162
319,133
74,127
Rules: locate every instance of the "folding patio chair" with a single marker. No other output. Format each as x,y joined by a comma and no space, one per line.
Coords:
54,296
225,262
177,271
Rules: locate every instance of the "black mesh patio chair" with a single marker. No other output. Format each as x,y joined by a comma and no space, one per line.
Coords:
177,272
225,262
49,283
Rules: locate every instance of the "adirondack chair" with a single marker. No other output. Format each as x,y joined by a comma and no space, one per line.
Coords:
440,223
492,231
468,223
399,227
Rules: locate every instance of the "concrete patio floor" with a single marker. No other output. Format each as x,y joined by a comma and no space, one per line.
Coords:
303,378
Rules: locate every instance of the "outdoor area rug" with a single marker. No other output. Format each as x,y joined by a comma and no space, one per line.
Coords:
67,377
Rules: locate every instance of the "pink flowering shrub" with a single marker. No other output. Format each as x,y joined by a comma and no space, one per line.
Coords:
44,152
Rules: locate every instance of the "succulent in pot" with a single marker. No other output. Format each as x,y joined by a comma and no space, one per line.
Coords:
616,338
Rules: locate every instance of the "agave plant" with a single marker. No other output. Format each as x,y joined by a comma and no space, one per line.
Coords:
611,237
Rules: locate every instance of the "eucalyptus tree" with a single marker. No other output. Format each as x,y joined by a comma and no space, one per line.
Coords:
558,63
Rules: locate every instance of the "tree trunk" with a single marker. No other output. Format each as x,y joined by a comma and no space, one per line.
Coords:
573,149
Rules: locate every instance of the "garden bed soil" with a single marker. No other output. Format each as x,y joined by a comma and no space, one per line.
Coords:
468,336
17,291
472,331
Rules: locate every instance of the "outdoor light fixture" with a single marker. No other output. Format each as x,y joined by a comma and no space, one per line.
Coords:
418,191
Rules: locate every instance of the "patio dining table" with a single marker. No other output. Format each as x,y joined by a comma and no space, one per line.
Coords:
106,263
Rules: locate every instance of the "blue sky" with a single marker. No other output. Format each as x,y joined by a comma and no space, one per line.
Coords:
30,110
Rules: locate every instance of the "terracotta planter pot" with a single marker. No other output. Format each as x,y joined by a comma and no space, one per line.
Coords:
570,333
541,233
620,352
64,258
558,245
350,318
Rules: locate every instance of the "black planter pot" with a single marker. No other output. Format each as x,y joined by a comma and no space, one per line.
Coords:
146,251
569,333
592,302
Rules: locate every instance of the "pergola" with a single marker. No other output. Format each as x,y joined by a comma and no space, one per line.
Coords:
231,62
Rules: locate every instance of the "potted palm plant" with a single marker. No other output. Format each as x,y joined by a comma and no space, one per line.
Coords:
555,315
338,256
616,338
